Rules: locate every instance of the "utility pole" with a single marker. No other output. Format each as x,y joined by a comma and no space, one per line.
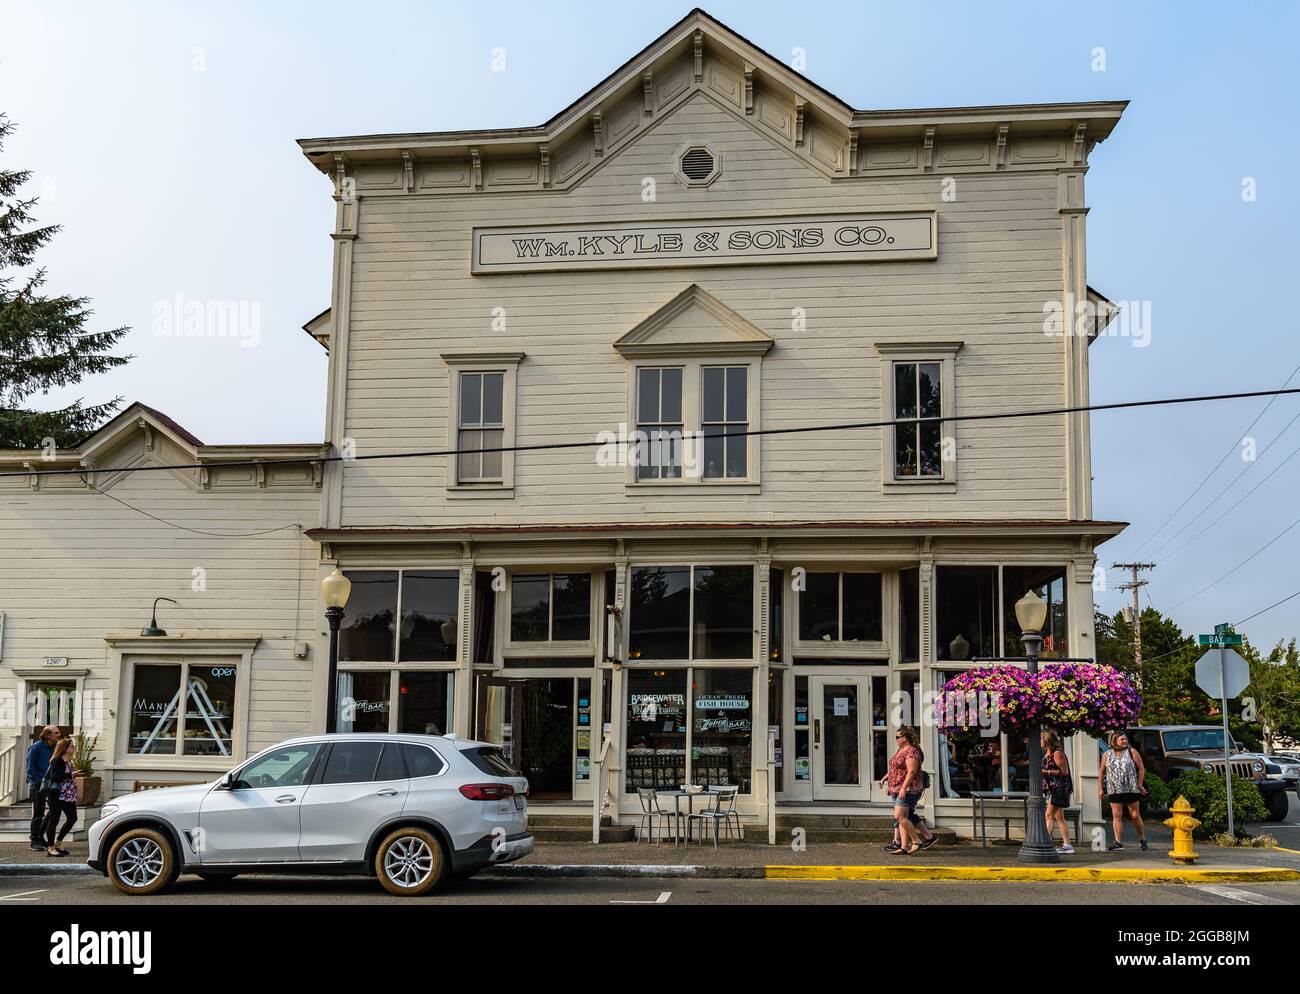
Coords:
1135,585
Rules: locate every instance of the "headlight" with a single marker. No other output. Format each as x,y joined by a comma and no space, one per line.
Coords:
1207,768
1258,767
108,810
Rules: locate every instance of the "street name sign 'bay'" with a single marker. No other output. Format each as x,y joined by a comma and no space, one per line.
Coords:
729,241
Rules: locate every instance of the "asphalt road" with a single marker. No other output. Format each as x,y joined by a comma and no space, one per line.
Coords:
87,890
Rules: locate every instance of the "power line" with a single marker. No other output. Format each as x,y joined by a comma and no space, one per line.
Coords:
1209,475
1289,597
585,444
1238,566
1192,541
1170,540
186,528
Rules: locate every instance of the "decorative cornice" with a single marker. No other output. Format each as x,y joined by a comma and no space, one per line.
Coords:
481,356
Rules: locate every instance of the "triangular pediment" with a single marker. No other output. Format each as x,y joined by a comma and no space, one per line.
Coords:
694,323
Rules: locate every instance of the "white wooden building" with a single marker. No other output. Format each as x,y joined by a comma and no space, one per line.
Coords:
705,245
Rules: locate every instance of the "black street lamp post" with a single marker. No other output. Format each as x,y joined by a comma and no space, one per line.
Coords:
335,589
1031,612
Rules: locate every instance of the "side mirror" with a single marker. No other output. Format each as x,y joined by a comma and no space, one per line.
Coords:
228,781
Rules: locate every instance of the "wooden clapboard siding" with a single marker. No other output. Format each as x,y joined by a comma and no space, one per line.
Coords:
412,298
77,564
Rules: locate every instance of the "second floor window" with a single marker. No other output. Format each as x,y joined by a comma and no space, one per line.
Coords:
481,426
659,417
918,406
725,421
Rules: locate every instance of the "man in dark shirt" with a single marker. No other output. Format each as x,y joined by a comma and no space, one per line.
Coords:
38,761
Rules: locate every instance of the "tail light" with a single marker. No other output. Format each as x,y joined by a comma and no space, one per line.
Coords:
488,791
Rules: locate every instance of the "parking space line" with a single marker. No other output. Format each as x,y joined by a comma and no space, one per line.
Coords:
662,899
1235,894
22,895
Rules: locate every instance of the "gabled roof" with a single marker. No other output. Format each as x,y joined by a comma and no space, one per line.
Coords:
320,327
694,323
689,38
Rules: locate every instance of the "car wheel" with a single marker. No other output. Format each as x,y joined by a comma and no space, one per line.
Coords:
141,861
216,878
410,862
1278,806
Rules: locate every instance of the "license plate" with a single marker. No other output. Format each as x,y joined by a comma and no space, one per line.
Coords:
520,803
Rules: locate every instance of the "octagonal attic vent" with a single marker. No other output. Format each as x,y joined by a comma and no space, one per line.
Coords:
698,165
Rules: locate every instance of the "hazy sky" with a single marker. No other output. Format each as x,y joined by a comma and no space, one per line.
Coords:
161,136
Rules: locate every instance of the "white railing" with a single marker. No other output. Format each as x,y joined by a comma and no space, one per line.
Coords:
9,760
599,790
771,787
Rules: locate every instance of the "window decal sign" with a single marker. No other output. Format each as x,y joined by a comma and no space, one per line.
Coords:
864,237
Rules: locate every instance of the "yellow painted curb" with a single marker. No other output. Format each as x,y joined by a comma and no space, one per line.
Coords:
1285,849
1040,874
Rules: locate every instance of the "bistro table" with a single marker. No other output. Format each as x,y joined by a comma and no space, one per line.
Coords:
690,796
980,798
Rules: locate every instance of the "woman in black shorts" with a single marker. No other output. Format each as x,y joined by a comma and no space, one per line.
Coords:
1122,777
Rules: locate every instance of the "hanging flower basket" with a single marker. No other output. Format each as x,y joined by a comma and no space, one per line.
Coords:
968,702
1086,697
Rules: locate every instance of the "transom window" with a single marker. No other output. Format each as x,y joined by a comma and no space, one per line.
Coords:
725,421
481,426
550,607
841,607
918,405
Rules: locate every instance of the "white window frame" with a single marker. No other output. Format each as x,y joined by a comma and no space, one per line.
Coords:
945,355
395,671
577,648
693,420
459,363
835,648
132,649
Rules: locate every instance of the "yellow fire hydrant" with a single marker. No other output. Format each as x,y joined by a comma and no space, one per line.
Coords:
1183,825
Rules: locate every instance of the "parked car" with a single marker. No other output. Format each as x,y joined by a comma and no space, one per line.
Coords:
412,810
1168,750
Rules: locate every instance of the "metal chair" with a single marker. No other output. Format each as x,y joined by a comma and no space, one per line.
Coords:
721,811
650,810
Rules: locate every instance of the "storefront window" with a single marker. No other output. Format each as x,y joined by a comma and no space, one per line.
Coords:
909,615
965,612
656,729
1049,583
802,757
429,615
819,607
775,709
722,727
582,749
724,612
775,613
183,709
485,601
363,702
862,607
530,608
369,620
424,703
660,605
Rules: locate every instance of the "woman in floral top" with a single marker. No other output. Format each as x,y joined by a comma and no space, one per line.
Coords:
903,782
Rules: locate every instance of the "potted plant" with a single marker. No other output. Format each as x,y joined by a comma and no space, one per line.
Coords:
83,767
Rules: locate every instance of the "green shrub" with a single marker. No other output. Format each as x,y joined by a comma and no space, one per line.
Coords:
1159,796
1207,793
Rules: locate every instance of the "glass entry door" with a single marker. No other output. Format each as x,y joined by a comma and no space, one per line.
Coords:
533,721
841,740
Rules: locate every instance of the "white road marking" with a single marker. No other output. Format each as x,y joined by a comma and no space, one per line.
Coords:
21,896
1234,894
663,899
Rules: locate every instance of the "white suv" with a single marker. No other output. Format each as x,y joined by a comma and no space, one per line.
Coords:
411,809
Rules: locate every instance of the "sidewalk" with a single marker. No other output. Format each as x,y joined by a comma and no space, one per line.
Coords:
834,861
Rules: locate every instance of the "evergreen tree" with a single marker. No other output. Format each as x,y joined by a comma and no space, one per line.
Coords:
43,339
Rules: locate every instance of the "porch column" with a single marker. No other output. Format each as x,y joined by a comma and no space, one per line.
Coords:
758,748
464,682
920,713
1083,642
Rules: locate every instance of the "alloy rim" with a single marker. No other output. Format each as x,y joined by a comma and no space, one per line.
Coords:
408,861
139,863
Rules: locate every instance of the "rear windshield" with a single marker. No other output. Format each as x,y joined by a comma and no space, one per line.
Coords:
490,759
